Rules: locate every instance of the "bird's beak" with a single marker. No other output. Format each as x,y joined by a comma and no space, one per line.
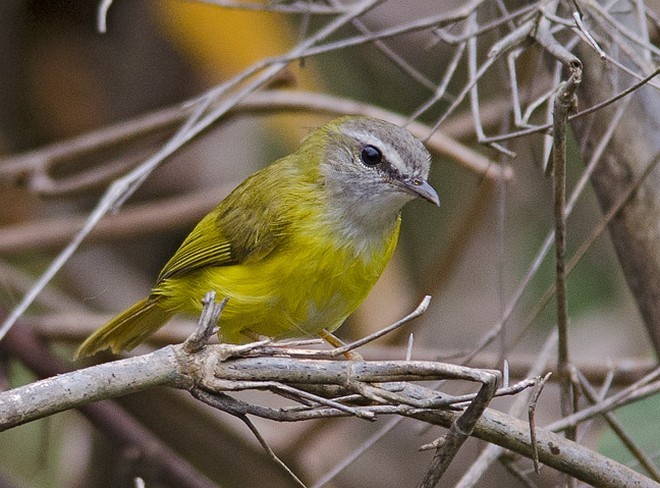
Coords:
422,189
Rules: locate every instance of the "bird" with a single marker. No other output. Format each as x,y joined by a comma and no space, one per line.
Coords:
297,246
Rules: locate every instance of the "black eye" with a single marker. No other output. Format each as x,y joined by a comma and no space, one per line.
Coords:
371,155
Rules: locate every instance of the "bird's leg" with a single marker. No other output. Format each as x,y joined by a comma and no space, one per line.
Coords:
250,334
335,341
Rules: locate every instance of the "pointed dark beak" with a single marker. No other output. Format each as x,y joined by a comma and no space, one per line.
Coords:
422,189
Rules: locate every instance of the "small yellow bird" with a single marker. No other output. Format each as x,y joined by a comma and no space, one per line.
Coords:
297,246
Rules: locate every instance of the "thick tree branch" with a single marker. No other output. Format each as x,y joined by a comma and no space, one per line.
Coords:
170,366
109,417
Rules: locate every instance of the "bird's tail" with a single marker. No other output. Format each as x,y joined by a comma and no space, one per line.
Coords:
126,330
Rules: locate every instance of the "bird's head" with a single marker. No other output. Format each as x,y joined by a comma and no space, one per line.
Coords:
371,168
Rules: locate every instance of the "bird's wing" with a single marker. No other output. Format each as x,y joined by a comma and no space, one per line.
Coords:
234,232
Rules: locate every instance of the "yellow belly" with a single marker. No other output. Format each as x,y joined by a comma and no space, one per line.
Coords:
311,284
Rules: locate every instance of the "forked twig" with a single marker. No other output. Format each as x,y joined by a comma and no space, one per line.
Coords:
235,408
531,412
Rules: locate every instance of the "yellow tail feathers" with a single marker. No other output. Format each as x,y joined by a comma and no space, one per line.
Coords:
126,330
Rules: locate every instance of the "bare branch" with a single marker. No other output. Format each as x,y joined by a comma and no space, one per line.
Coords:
171,366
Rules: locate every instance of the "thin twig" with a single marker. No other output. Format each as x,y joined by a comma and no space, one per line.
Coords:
644,387
34,166
421,308
619,430
594,108
531,411
448,445
271,454
565,101
493,452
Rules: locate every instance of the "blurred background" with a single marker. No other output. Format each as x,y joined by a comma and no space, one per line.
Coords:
63,82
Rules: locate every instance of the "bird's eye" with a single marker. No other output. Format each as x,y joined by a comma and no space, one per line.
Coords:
371,155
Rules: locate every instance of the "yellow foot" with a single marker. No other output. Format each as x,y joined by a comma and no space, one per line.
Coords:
335,341
254,336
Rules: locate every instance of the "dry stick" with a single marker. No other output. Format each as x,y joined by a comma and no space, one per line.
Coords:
489,26
462,94
102,15
209,317
586,35
459,431
355,454
519,119
440,91
393,56
554,450
421,308
621,47
170,366
531,415
618,429
492,452
34,165
512,39
647,386
599,12
124,187
474,88
107,416
471,58
565,100
583,113
548,139
297,394
226,404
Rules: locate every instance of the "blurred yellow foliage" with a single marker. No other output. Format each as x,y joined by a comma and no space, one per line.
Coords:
222,42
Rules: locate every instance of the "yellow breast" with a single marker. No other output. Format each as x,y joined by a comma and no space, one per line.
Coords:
312,282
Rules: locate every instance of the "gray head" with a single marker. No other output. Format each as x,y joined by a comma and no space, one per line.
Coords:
373,167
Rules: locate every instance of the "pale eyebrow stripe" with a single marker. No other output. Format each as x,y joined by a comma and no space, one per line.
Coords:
390,152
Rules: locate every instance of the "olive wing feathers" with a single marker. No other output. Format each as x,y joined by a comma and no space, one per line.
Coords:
246,226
